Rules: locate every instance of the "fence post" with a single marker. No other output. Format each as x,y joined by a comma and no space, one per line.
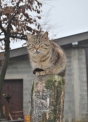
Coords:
47,99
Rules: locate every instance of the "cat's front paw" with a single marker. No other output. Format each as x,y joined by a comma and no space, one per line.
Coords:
40,73
37,70
37,73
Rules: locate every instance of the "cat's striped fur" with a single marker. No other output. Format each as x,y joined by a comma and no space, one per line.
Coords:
45,54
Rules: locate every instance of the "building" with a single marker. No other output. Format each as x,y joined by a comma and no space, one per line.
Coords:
19,78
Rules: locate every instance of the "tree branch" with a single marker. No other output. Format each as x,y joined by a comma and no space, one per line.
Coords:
24,38
1,21
2,39
12,16
2,27
18,36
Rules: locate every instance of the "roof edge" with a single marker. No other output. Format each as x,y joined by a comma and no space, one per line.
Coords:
72,38
61,41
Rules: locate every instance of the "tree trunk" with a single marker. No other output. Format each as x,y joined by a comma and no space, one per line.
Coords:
4,66
47,99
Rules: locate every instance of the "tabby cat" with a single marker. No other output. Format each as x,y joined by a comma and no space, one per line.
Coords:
45,55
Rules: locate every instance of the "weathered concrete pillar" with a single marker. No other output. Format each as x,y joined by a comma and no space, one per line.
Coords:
76,84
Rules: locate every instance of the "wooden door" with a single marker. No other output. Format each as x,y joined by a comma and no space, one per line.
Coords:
13,89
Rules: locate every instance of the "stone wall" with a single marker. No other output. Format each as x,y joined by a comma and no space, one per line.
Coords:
76,82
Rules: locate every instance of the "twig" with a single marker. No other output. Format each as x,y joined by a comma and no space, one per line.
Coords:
13,15
19,37
2,39
2,27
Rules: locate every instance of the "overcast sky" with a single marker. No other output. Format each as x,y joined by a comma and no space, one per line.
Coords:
63,18
67,17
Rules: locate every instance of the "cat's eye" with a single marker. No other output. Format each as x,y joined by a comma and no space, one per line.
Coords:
33,45
47,45
28,45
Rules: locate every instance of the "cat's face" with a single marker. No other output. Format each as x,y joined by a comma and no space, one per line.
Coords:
38,44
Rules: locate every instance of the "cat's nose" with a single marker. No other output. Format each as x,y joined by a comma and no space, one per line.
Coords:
37,47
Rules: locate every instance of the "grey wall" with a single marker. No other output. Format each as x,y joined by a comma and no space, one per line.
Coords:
76,85
76,82
19,68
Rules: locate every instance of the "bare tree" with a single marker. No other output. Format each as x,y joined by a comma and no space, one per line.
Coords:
15,20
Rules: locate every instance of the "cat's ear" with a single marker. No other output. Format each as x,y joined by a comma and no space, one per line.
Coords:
45,35
29,35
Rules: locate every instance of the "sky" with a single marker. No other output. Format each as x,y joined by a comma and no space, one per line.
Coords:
62,18
67,17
